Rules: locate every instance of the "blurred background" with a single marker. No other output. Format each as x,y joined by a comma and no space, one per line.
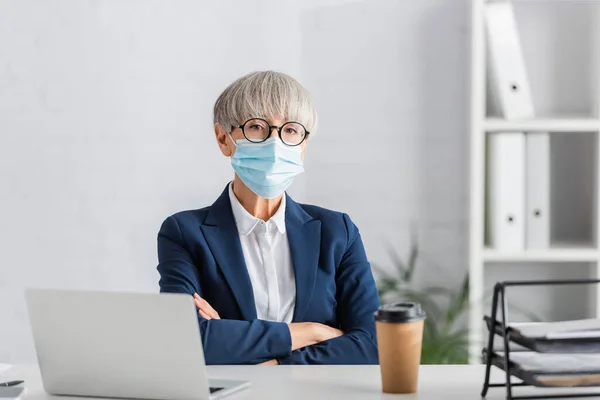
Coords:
106,129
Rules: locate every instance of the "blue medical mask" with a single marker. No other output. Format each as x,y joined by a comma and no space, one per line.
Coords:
267,168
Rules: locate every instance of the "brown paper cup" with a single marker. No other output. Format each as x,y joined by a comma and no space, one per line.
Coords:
399,347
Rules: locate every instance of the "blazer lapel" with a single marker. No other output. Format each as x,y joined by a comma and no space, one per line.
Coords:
304,236
222,236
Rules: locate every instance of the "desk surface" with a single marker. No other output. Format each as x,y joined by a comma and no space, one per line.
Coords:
327,382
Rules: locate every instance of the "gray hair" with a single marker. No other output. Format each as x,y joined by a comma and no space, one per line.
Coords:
265,94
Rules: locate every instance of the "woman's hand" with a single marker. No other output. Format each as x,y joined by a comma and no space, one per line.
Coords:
308,333
204,309
326,332
270,362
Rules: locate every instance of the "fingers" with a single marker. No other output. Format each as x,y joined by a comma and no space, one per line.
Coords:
332,333
202,313
197,303
205,307
270,362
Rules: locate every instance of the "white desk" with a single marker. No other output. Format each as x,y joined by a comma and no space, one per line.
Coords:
327,382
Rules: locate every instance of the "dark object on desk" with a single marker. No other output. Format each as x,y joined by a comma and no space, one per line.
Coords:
523,365
11,383
11,393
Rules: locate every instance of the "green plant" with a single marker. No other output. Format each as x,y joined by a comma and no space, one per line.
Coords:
444,340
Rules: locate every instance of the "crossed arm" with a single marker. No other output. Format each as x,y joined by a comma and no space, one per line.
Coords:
302,333
255,342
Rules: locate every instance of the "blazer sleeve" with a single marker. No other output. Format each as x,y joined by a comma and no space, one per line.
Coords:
224,341
357,300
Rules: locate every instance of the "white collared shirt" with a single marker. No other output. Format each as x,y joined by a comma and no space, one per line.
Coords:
269,261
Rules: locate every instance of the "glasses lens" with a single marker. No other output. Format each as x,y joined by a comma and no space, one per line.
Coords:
292,133
256,130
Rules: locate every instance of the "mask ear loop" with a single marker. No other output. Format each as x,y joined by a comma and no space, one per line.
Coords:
231,137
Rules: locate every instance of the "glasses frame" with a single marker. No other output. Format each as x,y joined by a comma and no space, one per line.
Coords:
279,129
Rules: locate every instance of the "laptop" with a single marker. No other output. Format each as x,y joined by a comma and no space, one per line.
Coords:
123,345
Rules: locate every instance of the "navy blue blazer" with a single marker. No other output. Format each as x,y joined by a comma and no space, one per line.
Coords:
199,251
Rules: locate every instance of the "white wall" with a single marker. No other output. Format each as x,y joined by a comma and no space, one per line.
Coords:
105,129
390,79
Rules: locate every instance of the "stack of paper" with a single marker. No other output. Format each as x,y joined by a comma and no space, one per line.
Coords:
576,329
556,363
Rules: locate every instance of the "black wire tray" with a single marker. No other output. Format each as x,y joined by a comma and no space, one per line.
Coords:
500,327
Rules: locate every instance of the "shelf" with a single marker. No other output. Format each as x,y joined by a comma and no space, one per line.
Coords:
543,255
542,125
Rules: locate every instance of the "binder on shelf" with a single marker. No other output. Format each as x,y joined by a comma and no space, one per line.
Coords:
537,183
530,174
506,185
510,85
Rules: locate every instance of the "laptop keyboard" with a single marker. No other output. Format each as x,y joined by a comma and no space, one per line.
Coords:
214,389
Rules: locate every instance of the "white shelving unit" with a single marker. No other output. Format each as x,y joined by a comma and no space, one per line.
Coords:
481,125
571,125
546,256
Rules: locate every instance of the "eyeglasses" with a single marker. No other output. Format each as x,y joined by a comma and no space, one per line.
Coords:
257,130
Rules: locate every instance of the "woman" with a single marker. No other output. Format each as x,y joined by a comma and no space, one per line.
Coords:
275,282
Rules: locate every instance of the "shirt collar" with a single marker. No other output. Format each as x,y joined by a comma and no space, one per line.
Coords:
246,222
